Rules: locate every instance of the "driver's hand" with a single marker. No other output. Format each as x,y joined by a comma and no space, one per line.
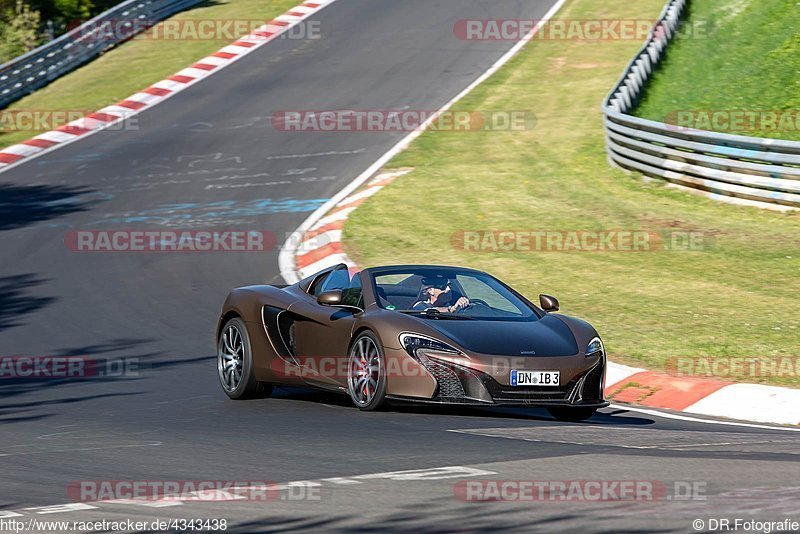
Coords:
463,302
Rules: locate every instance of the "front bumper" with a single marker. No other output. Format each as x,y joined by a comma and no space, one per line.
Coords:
456,384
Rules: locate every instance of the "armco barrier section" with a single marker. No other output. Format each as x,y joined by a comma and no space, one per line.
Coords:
39,67
750,170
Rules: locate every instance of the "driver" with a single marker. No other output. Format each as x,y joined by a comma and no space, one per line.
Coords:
437,294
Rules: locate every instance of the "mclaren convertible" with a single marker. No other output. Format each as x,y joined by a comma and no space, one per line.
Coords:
410,333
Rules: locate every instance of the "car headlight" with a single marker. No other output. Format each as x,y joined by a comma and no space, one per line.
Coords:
595,348
417,343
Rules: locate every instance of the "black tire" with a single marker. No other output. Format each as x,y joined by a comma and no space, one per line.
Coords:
246,386
363,400
572,414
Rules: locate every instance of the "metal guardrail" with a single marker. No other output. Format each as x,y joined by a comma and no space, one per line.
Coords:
39,67
750,170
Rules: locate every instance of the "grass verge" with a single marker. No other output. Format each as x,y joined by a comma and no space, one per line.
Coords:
736,296
747,58
138,63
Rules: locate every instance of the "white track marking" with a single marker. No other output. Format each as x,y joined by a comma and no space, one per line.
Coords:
60,508
7,513
628,437
150,504
315,154
341,481
679,417
436,473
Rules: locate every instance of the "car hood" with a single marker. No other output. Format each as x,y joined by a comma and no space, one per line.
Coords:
549,336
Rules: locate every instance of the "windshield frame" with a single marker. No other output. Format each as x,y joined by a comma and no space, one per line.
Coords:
523,303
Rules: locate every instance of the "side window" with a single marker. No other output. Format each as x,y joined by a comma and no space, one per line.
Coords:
333,280
339,279
352,296
316,286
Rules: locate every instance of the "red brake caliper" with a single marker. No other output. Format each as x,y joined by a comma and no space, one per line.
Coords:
365,370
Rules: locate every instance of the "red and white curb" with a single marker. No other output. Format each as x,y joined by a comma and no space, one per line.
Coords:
703,396
160,91
320,246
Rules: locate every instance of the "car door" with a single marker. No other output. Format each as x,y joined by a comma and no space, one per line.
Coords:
323,333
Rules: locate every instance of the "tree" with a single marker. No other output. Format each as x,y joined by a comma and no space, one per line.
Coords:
19,30
72,11
64,14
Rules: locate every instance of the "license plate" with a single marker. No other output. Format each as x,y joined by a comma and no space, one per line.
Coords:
535,378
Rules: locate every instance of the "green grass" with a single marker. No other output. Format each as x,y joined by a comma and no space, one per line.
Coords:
750,61
736,297
138,63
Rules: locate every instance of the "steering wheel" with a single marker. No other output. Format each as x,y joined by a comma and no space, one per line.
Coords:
472,304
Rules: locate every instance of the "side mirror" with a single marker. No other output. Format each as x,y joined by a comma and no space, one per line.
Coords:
548,303
330,298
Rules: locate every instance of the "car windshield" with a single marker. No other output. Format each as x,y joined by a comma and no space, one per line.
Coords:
448,293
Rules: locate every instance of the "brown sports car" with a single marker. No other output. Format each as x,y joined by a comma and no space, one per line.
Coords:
410,333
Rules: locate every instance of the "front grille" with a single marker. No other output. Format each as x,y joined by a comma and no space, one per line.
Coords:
449,384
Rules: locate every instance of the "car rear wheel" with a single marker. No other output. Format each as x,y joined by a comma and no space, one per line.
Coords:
235,363
571,414
366,367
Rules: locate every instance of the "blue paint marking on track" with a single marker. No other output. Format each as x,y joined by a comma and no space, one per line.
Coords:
209,212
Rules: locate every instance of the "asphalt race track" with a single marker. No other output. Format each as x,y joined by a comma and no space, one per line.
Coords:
210,158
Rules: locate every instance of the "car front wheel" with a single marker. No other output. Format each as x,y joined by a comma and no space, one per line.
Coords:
366,372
